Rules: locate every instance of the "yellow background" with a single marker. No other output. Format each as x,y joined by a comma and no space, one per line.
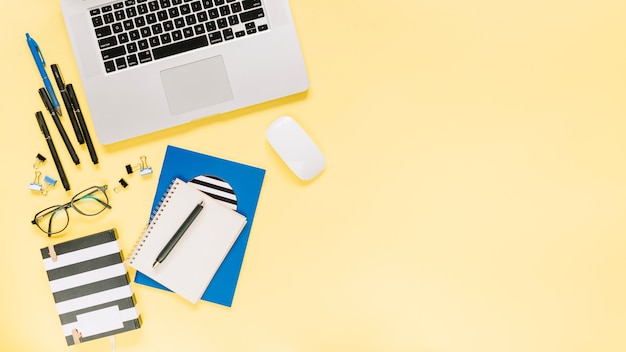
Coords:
473,198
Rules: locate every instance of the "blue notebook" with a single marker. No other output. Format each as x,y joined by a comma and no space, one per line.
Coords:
236,185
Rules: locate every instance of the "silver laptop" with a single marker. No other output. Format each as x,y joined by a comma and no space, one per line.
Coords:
147,65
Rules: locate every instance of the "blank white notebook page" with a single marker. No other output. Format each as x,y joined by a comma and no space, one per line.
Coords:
191,265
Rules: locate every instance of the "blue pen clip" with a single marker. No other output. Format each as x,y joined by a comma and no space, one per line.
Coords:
41,66
35,50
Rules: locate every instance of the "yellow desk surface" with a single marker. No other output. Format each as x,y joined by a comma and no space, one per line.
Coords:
473,199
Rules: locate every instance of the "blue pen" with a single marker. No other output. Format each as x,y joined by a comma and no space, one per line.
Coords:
41,65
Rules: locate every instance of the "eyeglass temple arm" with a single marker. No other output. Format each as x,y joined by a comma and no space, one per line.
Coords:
96,199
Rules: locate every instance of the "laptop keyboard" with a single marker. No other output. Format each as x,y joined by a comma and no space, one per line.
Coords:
135,32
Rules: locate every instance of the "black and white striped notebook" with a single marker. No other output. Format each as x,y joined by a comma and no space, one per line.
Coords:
91,287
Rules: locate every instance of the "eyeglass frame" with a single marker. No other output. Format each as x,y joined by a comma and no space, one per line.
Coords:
70,204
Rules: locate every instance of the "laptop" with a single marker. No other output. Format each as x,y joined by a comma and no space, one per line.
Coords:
147,65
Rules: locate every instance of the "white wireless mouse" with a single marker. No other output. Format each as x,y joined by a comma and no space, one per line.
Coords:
295,147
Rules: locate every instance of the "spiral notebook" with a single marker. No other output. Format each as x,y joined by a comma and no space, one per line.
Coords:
91,287
191,265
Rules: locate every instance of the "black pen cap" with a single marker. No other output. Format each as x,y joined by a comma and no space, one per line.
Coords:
42,123
58,77
70,91
43,93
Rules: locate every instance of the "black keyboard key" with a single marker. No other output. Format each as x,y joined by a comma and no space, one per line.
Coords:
107,8
228,34
180,47
211,26
153,6
97,21
177,35
225,10
132,60
185,9
143,44
236,7
263,27
94,12
165,38
144,56
157,29
154,41
173,12
196,6
108,18
162,15
202,16
177,2
121,63
213,14
222,23
142,9
168,26
131,12
128,25
215,37
103,32
233,20
198,29
120,15
123,38
129,2
188,32
131,47
190,20
151,18
179,22
118,5
251,15
107,42
140,22
250,4
113,52
109,66
117,27
207,4
145,32
239,34
165,4
219,2
134,35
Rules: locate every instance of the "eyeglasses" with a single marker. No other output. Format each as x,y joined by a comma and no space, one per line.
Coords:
89,202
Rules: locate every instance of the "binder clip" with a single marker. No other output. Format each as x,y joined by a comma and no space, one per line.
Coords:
143,167
49,183
39,160
123,184
36,184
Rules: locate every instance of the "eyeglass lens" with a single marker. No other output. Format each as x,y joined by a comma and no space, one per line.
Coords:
89,202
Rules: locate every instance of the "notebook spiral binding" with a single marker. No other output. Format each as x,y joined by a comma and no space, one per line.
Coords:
154,217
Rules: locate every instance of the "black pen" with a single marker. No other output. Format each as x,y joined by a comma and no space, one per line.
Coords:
55,156
178,235
81,120
58,77
48,103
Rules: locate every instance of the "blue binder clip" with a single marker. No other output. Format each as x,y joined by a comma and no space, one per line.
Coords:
143,167
36,184
49,183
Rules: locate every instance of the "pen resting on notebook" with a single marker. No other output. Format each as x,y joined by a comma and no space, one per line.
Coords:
178,235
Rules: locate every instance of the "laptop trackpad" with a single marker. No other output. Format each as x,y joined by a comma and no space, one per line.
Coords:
196,85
